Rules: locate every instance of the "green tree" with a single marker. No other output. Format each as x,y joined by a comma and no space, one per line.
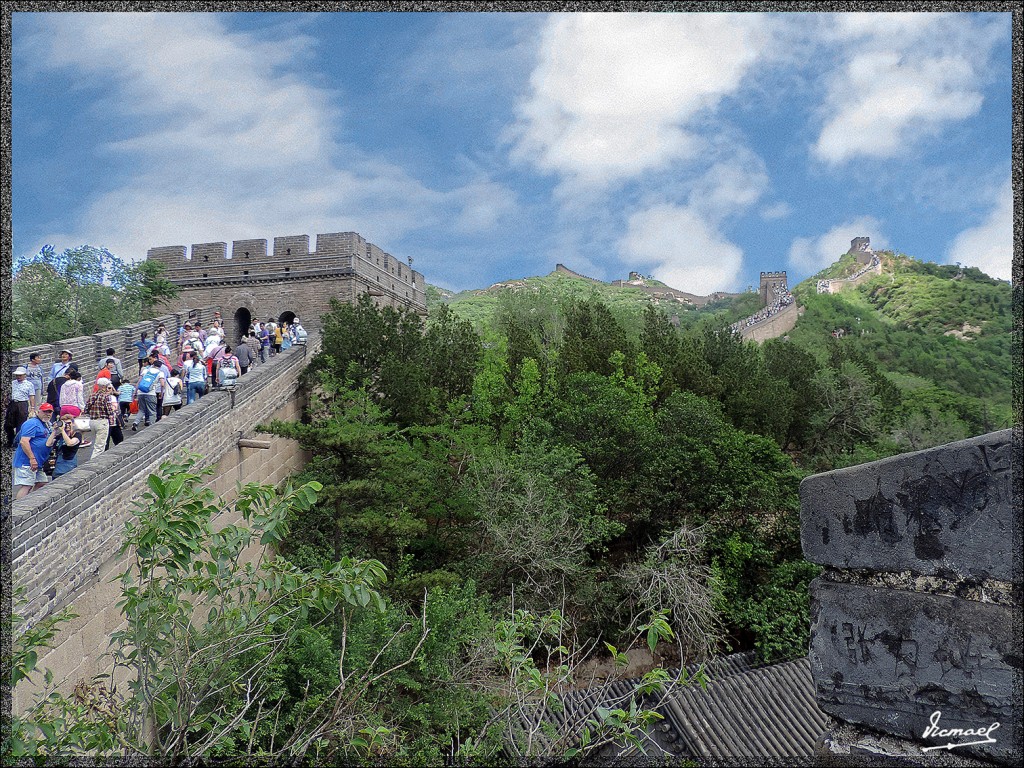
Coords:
81,291
205,627
592,334
412,371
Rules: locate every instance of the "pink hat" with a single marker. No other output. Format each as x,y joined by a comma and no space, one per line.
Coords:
69,410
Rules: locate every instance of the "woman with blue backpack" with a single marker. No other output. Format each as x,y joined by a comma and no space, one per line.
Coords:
149,385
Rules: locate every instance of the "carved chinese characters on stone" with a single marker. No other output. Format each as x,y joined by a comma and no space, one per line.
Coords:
945,510
889,658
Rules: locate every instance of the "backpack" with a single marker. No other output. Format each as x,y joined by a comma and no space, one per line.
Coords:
115,379
147,380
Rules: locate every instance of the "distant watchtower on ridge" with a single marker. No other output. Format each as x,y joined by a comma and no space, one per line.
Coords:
251,284
771,282
860,247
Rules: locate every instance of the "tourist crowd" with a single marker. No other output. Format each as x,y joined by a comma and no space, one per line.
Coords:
50,411
780,299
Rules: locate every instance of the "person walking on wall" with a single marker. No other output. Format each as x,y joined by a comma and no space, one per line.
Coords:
36,375
58,377
73,391
195,378
264,336
115,434
147,389
22,405
161,388
173,393
113,362
278,338
244,355
143,346
227,368
125,396
101,413
60,368
31,452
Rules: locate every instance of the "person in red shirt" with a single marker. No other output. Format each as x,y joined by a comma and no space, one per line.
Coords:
104,373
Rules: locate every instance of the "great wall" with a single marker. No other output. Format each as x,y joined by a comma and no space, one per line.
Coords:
777,317
916,613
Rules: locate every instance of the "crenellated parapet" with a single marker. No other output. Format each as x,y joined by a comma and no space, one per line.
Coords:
256,281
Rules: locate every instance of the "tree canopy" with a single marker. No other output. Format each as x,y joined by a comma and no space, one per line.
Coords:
81,291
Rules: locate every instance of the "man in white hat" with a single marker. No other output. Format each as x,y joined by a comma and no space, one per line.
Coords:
23,403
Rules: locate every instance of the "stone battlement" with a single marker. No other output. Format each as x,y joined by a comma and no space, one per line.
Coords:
288,280
339,249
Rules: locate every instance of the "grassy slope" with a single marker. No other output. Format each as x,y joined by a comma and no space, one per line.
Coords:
899,318
627,303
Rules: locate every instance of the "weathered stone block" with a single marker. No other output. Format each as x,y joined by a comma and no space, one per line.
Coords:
947,510
889,659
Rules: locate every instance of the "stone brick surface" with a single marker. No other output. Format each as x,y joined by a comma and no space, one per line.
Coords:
889,659
64,533
945,510
73,562
263,286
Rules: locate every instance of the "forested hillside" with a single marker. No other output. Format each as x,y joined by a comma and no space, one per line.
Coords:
572,448
940,333
493,507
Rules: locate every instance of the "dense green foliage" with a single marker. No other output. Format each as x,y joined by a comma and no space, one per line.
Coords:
81,291
547,463
906,322
574,473
230,653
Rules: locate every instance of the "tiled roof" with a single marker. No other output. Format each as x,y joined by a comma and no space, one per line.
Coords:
746,711
767,712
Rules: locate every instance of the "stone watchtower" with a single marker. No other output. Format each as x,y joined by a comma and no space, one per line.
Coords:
770,283
860,247
249,283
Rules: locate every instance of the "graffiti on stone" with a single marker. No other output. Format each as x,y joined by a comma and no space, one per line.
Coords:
906,658
875,514
960,654
858,647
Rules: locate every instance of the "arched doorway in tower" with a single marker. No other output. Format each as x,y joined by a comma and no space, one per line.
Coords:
243,320
286,317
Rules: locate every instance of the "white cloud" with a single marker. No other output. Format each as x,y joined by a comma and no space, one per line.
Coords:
224,138
812,254
485,204
989,246
730,186
779,210
612,94
688,252
907,76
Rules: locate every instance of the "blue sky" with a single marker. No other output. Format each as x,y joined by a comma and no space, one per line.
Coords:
699,148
